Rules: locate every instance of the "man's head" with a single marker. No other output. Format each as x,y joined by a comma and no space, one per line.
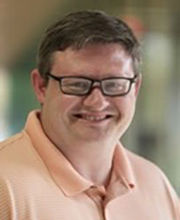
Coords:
90,61
79,29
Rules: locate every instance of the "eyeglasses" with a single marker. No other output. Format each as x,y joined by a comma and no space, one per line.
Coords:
80,86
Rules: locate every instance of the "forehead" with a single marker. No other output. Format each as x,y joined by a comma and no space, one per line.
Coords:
97,59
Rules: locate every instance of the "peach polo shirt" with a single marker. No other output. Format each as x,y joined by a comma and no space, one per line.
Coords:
37,182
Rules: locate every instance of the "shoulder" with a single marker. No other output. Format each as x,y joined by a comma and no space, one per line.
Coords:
13,144
10,141
15,152
150,177
153,184
141,163
9,145
19,162
144,169
9,148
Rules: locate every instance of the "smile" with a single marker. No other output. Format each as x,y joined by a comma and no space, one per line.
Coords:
93,118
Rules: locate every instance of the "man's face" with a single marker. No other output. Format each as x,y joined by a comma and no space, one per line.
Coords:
92,117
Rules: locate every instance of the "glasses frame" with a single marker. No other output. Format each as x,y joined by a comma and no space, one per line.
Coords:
92,85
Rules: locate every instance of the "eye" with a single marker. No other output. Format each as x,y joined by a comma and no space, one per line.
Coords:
119,85
116,85
79,84
113,84
75,85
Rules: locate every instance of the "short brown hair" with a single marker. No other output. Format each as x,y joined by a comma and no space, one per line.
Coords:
78,29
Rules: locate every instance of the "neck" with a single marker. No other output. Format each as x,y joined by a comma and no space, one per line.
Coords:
92,160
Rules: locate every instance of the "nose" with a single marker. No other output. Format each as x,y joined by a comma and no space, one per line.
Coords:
96,101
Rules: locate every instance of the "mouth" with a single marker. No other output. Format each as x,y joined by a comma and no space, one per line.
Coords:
93,118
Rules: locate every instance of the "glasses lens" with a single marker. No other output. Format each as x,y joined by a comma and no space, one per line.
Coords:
116,86
75,85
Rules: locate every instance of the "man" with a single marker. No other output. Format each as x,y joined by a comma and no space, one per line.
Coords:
68,162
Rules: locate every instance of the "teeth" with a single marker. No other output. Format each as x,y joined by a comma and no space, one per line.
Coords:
93,118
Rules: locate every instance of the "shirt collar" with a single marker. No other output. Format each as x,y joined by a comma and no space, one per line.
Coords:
61,170
63,173
122,167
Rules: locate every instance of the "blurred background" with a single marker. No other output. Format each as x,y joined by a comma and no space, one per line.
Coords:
154,133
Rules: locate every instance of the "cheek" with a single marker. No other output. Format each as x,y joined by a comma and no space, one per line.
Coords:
126,106
66,104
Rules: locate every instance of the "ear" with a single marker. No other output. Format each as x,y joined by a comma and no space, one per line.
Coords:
138,84
39,85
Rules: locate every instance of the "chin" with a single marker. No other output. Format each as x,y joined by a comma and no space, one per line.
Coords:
92,136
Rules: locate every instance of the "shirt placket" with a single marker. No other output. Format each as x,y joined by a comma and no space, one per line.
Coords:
97,194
